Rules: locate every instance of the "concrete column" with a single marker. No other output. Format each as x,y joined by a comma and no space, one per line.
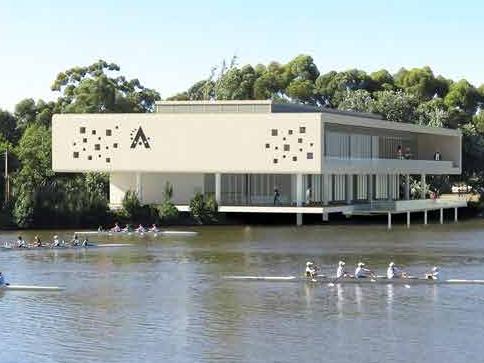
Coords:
441,215
389,226
218,188
455,215
299,197
389,187
425,216
139,187
349,188
408,219
424,186
370,187
407,187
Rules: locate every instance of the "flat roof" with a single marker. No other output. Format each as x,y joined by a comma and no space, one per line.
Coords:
330,115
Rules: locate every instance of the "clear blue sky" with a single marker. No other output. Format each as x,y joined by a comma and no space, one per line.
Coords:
169,45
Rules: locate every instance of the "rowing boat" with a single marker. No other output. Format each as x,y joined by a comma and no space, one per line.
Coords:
378,280
47,248
29,288
165,233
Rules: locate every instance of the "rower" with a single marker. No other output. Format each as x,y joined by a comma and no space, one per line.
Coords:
140,229
85,243
434,274
116,228
100,229
341,272
310,270
21,242
127,228
37,241
75,240
2,281
56,242
154,228
362,272
394,272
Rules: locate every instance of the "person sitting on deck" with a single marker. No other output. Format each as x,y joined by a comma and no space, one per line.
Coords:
393,272
140,229
154,228
341,272
37,241
434,274
21,242
116,228
362,272
310,270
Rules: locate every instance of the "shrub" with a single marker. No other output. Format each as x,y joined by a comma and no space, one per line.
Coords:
203,211
167,210
131,204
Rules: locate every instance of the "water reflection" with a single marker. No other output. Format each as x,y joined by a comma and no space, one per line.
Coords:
165,300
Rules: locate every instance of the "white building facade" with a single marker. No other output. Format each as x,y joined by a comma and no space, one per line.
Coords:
257,156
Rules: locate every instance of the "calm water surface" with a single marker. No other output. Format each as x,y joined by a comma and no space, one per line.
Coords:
165,300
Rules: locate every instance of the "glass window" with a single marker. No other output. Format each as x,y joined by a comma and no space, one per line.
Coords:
82,130
302,130
274,132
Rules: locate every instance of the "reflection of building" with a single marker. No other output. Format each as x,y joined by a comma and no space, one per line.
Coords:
241,151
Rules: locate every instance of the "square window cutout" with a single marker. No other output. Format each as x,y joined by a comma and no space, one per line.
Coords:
294,158
109,132
286,147
268,146
309,155
299,140
290,132
108,160
115,145
84,140
274,132
75,155
275,161
97,147
89,157
302,130
82,130
94,132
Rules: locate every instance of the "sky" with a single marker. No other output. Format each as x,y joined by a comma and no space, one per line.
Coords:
169,45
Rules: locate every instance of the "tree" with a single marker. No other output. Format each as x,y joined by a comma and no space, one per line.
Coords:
8,126
236,84
433,113
203,210
395,106
383,80
357,101
28,112
95,88
34,153
419,82
464,96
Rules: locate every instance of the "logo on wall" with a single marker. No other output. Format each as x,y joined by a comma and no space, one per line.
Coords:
139,139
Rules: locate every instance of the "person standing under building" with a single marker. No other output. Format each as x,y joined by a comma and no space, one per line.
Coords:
308,196
277,195
437,156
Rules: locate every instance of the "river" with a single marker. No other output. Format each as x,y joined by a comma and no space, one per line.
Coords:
164,300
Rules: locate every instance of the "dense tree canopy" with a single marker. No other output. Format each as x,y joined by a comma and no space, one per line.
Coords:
411,95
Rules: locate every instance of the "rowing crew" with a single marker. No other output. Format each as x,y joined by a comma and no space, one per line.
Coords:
128,228
393,272
56,242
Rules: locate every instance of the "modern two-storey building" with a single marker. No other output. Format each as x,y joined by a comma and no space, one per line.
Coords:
260,157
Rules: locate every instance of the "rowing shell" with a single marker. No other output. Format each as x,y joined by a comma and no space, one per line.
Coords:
66,248
333,280
140,234
30,288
